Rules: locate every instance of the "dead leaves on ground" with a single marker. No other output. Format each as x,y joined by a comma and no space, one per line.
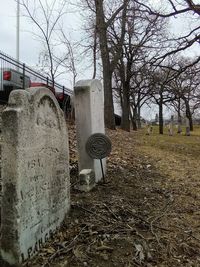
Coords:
139,218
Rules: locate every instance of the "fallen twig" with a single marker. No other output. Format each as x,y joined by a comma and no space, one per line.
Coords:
109,209
103,247
64,250
91,212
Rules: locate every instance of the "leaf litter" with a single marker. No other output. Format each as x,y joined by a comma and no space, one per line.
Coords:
147,214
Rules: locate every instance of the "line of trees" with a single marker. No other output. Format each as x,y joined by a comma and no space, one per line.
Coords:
141,62
132,50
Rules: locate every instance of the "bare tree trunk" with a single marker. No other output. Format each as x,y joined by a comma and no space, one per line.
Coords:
133,116
108,101
107,73
95,54
179,116
120,95
109,62
125,125
139,117
187,132
161,114
188,114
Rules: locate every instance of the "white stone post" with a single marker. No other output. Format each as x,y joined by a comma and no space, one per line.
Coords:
89,117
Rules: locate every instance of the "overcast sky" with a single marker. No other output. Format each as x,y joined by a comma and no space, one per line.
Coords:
30,47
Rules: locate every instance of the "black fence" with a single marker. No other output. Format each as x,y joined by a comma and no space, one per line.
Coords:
22,77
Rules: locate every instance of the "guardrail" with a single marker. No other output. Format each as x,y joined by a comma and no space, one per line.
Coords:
7,62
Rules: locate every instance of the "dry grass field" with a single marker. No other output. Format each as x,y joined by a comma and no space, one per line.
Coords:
177,159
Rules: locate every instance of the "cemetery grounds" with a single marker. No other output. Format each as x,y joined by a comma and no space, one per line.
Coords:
147,214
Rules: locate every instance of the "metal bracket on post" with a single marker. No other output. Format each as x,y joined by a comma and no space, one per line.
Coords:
98,146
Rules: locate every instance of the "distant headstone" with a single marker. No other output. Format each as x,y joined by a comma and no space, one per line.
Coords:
35,173
89,118
148,129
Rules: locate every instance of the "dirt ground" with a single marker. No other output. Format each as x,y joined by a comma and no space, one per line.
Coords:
147,214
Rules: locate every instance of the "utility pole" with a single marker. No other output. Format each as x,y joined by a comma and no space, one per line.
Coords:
17,32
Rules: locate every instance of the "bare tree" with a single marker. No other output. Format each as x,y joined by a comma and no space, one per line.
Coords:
139,93
46,16
187,88
175,8
72,57
106,14
162,93
144,37
109,62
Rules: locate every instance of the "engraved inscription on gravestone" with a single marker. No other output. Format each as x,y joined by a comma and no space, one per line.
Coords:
35,172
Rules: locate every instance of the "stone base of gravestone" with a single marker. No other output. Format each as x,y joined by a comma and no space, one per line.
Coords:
86,180
35,173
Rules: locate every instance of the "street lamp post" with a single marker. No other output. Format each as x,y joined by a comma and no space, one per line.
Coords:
17,31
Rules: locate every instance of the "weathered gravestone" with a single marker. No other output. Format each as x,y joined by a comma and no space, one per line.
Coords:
89,114
35,173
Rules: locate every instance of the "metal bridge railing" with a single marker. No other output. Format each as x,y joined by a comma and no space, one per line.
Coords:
24,75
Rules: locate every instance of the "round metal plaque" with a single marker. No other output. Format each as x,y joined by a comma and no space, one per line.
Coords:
98,146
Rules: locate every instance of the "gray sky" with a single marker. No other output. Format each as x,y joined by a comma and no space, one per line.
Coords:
30,47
